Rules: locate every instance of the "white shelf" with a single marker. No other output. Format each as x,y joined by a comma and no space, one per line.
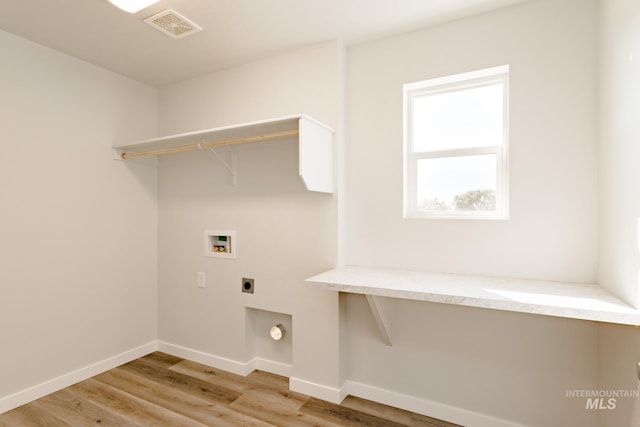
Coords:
315,144
560,299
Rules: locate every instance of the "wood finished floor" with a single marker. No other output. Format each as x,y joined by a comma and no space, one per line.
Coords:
163,390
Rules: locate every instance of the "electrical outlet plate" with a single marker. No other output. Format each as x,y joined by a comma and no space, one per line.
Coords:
202,279
247,285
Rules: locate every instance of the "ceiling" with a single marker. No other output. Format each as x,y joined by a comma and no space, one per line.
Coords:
234,31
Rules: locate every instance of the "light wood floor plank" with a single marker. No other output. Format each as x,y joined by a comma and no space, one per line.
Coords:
164,390
77,411
162,360
377,409
344,415
181,382
275,408
418,420
393,414
134,409
227,417
205,373
255,380
32,415
195,407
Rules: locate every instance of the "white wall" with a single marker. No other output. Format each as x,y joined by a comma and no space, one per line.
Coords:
618,357
619,346
500,364
78,230
284,233
488,363
550,47
90,284
303,81
619,148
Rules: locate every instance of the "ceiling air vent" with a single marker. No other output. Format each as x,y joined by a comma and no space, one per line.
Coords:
173,24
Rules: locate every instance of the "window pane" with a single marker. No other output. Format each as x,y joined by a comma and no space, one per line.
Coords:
461,118
466,183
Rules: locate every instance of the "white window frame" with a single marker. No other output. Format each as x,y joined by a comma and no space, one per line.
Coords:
411,158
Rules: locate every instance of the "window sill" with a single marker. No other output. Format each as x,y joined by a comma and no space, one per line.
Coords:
498,216
559,299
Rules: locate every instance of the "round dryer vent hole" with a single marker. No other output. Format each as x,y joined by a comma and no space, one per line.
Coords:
277,332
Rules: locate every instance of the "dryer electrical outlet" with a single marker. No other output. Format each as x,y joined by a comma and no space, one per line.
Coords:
247,285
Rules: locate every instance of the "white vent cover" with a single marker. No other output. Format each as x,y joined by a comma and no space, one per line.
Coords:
173,24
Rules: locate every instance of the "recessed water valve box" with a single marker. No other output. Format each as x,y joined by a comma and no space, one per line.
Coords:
220,244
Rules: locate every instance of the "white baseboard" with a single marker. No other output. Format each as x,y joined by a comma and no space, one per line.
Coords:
424,407
241,368
225,364
330,394
277,368
337,395
36,392
229,365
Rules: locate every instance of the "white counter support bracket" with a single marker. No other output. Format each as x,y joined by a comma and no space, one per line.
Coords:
380,310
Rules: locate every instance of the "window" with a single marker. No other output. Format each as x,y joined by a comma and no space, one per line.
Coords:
456,146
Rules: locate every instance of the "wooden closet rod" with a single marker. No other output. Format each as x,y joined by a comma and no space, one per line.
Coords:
192,147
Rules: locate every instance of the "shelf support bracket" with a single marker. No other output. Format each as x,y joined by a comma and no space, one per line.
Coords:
231,165
380,312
